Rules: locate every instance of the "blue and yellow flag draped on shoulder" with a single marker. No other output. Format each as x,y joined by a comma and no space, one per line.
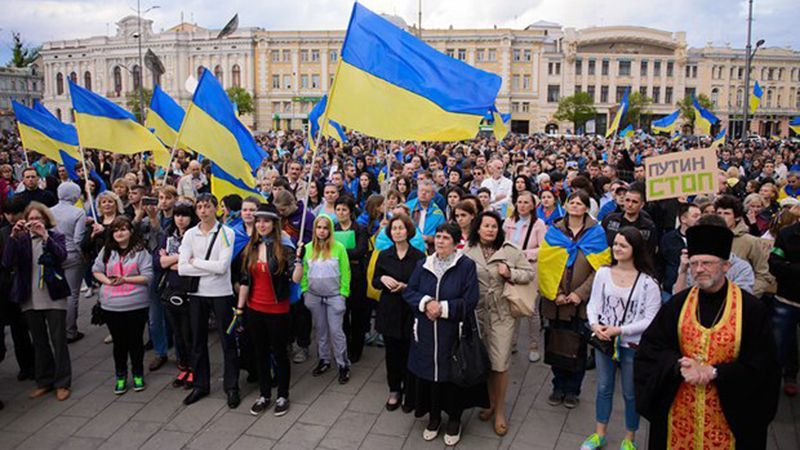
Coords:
558,252
391,85
211,128
755,97
620,114
42,132
667,123
703,118
104,125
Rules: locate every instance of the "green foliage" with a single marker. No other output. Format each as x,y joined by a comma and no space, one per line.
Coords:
577,109
21,55
242,98
687,109
132,101
638,105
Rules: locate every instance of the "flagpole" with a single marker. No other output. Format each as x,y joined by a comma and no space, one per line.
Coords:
174,148
86,181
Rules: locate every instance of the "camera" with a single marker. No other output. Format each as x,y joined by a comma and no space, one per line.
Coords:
149,201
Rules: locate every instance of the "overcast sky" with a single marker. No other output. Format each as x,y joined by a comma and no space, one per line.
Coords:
719,21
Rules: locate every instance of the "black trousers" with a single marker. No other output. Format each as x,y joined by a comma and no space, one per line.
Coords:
356,317
199,308
49,332
180,323
397,374
23,347
269,334
127,328
301,323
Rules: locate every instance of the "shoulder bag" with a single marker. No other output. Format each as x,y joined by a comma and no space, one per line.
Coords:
522,297
611,348
469,360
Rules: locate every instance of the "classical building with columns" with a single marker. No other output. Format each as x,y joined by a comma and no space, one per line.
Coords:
288,71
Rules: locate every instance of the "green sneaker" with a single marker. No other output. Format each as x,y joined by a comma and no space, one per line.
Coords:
628,445
138,383
593,442
122,386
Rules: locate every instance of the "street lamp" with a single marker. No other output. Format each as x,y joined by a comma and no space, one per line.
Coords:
748,61
138,37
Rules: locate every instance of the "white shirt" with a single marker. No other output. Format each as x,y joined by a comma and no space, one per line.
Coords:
214,273
498,187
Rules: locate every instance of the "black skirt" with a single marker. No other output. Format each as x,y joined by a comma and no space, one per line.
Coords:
435,397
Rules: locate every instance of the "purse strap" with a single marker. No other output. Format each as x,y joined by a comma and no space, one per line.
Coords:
213,239
630,296
528,233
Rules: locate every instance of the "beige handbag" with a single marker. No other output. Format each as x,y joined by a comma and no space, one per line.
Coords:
521,298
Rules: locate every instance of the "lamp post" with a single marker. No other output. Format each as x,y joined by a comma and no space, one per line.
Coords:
748,61
141,60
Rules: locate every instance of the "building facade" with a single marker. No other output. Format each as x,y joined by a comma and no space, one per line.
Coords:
23,85
287,72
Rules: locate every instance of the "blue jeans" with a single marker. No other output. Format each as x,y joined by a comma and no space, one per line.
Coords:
606,379
785,319
157,325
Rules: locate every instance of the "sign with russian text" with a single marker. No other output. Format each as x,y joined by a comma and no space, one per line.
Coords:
681,174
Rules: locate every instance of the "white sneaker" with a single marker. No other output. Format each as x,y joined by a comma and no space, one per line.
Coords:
84,287
108,339
533,356
89,292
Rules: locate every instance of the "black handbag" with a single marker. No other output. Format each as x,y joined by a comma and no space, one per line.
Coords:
565,346
53,276
609,348
190,284
97,315
469,360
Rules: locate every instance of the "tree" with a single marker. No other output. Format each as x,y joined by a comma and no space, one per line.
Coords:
577,109
687,108
242,99
21,54
638,105
132,101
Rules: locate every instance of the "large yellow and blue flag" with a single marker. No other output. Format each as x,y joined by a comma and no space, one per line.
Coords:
620,114
755,97
667,123
675,137
703,118
627,132
104,125
558,252
794,125
719,139
44,133
335,130
164,117
391,85
212,128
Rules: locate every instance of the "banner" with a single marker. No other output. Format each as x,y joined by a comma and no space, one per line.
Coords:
681,174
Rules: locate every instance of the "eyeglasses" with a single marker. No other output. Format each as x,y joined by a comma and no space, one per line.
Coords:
704,264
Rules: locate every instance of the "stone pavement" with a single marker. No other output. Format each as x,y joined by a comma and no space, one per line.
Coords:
323,414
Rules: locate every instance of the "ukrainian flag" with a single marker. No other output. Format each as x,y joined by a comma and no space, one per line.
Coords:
703,118
627,132
794,125
212,128
104,125
314,118
222,184
666,124
719,139
621,110
164,117
391,85
44,133
558,252
755,97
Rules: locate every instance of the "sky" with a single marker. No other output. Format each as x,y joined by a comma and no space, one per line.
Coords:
717,21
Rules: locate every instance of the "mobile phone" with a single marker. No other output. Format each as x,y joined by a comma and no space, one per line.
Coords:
149,201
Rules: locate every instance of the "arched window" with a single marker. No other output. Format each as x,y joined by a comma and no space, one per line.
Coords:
236,76
59,83
739,97
218,73
137,77
797,99
199,72
769,98
87,80
714,96
58,112
74,77
117,81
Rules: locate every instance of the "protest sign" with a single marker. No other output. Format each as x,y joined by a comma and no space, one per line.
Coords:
687,173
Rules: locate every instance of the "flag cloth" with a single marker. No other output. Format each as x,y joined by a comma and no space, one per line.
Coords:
667,123
675,137
314,117
391,85
755,97
794,125
719,139
621,110
44,133
104,125
559,252
70,163
222,184
211,128
703,118
627,132
164,118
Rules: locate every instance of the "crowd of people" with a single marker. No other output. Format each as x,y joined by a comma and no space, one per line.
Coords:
405,246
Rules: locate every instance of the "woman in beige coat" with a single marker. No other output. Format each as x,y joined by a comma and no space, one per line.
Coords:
497,262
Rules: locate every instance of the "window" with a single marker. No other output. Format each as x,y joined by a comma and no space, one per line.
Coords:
286,56
276,107
450,52
624,68
604,68
315,81
333,56
553,93
590,91
578,66
657,69
578,88
554,68
526,55
218,73
117,81
60,83
303,81
643,68
515,82
137,77
603,94
656,94
287,107
526,107
688,92
590,69
739,97
691,71
199,72
276,82
740,73
526,82
668,95
87,80
275,55
236,76
770,73
73,77
315,55
769,97
479,54
515,107
517,54
492,56
620,92
58,110
303,55
287,81
797,100
643,91
462,54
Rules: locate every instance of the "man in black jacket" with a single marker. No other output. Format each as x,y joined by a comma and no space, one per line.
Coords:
631,216
32,192
672,243
784,264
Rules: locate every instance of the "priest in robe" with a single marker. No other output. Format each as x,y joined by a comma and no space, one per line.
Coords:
706,371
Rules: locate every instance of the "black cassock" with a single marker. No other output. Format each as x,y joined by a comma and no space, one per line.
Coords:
748,387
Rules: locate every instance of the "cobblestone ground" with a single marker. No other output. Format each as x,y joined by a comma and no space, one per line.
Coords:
323,413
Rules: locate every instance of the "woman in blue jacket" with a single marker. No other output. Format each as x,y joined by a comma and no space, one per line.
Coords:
442,290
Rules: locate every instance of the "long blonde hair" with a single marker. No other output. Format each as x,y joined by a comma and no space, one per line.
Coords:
322,249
